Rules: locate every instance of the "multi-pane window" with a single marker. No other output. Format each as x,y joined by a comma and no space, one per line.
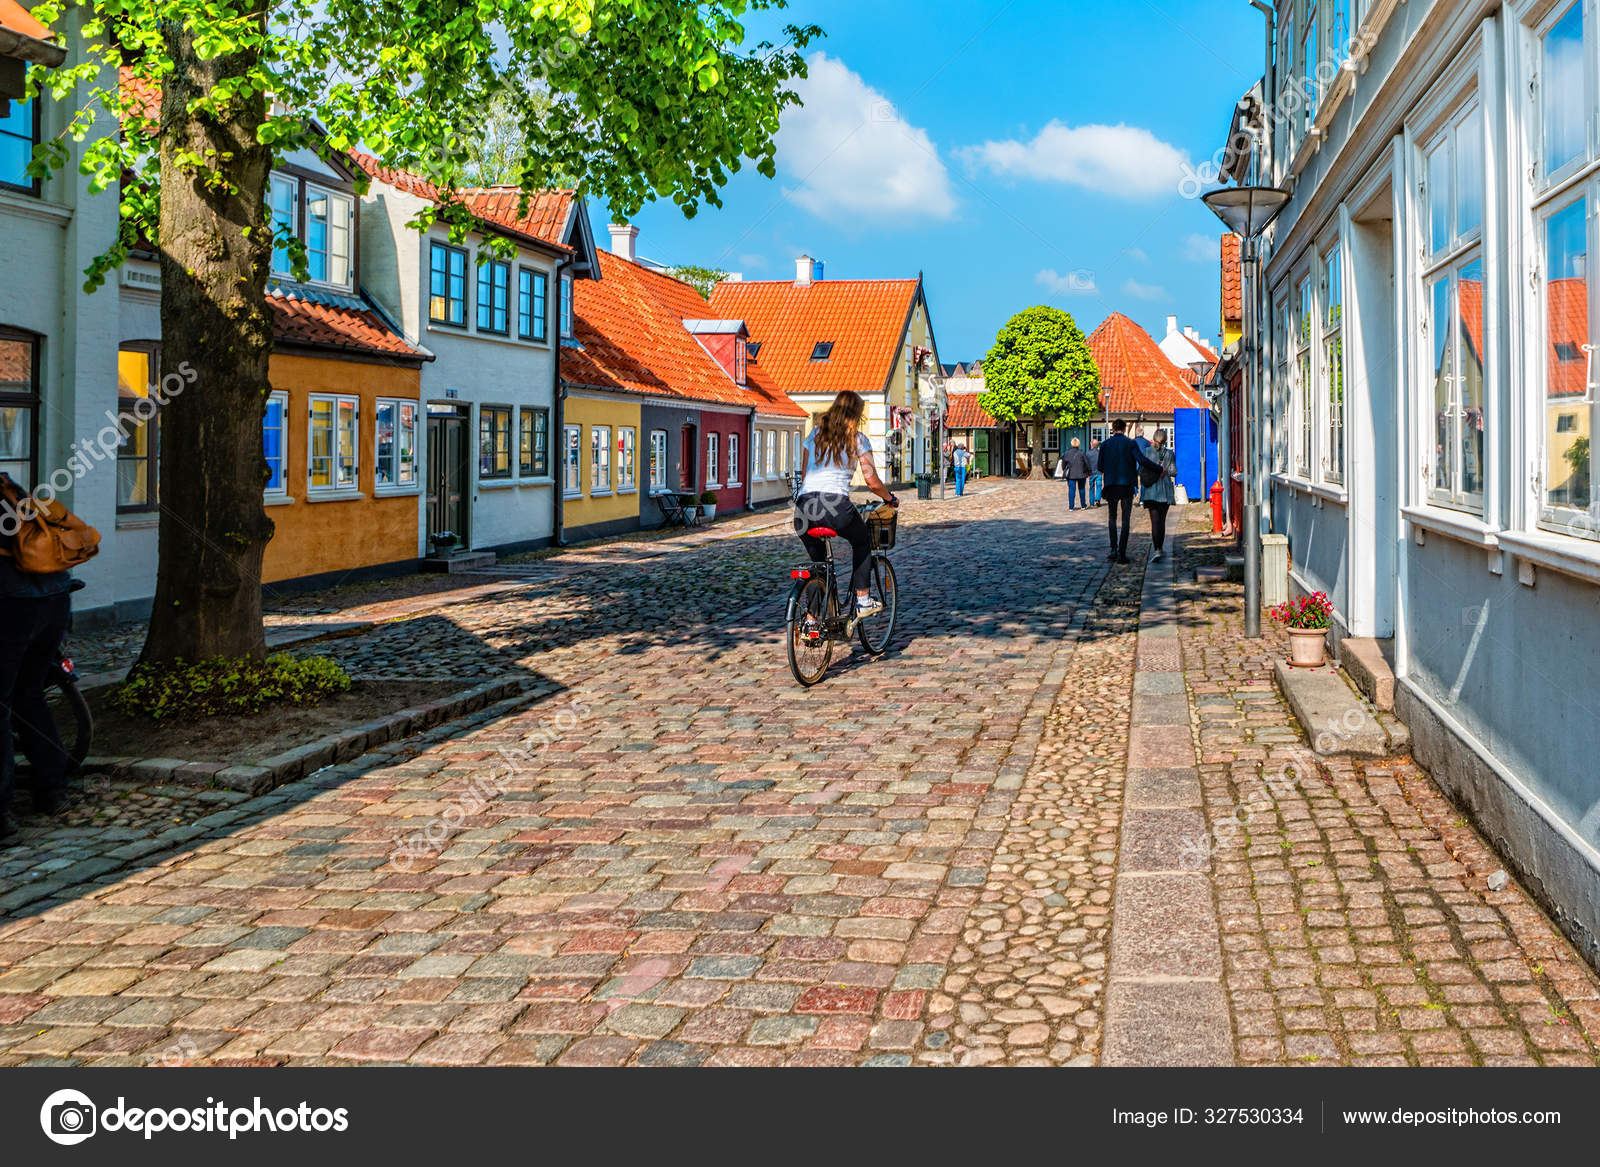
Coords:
1283,391
447,285
1310,83
494,441
757,442
1305,390
711,461
19,406
1564,92
395,444
658,459
566,305
19,133
571,466
283,206
1452,203
734,470
600,459
1333,364
334,443
494,293
138,369
533,456
1286,128
275,442
323,220
773,439
533,313
627,438
739,361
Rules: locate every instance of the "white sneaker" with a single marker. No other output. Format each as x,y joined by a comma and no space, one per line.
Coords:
1156,558
870,606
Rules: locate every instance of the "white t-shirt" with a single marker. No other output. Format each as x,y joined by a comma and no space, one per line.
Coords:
832,477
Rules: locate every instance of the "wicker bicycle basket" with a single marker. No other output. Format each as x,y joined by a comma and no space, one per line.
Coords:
884,525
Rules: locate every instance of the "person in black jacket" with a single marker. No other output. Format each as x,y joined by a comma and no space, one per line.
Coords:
34,610
1120,463
1077,464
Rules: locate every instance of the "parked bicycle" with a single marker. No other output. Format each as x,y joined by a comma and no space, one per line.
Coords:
819,617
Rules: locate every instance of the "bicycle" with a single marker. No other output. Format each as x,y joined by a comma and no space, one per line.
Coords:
816,620
65,697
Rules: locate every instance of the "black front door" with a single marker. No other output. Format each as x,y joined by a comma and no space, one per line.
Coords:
447,471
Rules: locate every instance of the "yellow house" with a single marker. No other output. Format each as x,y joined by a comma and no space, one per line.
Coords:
599,470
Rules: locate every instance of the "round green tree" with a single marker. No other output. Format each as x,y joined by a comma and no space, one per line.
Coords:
1040,372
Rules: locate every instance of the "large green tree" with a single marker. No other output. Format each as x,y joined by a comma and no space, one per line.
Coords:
636,99
1040,372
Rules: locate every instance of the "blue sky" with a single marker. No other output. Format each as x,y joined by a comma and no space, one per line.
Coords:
1016,153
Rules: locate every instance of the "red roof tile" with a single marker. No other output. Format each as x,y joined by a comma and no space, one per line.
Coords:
1136,373
630,325
1232,282
964,413
143,96
865,320
297,320
543,218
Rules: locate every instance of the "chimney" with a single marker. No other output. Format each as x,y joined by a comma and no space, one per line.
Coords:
624,237
804,271
1172,326
816,270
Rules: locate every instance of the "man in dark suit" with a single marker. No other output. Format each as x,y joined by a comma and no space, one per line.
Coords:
1120,460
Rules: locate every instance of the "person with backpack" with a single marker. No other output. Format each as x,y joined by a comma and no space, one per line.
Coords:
39,544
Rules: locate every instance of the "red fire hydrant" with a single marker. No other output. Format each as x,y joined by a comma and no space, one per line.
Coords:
1216,507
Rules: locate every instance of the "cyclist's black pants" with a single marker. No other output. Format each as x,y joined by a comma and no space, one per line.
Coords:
837,512
30,633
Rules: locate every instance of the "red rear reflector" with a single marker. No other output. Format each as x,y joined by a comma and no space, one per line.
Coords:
799,575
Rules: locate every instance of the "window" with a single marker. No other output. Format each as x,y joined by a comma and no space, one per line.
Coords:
1304,390
1454,188
823,350
1283,391
752,349
600,459
773,438
571,474
566,306
1569,388
1309,60
757,466
334,460
533,312
395,444
283,205
533,455
19,406
494,290
1333,364
329,217
626,439
137,423
734,469
1564,99
19,134
739,361
1286,130
494,441
711,461
275,442
447,285
658,459
1052,438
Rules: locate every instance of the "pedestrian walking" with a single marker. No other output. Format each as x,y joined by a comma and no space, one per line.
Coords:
1120,462
1077,467
1159,494
1097,480
962,457
1144,448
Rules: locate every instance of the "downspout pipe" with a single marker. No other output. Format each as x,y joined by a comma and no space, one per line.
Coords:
558,395
749,452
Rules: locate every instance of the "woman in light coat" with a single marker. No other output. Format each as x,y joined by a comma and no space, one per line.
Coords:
1159,495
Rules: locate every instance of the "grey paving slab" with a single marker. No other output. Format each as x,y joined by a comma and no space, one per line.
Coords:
1167,1024
1166,926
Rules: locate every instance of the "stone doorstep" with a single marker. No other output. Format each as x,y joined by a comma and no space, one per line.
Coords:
1367,662
296,763
1336,719
456,564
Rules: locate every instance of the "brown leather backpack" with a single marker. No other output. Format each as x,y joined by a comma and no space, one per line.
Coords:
48,537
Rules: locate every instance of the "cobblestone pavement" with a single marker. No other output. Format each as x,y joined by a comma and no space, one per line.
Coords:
1358,926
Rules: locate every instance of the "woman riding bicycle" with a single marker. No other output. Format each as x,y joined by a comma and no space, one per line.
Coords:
829,459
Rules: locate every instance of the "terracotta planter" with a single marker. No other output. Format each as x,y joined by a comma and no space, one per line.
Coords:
1308,647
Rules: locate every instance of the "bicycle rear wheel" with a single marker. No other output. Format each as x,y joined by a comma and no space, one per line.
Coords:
810,645
877,631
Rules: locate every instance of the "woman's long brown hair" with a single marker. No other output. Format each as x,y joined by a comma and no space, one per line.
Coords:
837,431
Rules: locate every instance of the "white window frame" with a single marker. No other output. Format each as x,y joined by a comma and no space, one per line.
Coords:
339,403
735,471
1330,335
1283,390
627,459
281,397
758,444
274,183
566,306
572,461
658,460
774,437
713,464
398,484
599,461
335,199
1303,374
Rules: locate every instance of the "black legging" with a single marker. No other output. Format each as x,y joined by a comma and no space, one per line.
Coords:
838,513
1158,523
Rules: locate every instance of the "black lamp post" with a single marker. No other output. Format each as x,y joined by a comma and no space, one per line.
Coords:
1248,211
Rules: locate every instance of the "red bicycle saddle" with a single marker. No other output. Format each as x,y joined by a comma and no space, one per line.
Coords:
823,533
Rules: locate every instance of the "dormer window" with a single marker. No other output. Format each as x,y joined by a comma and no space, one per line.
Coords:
323,219
822,351
753,348
19,134
739,357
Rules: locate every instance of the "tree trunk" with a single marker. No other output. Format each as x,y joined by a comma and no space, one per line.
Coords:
216,330
1036,452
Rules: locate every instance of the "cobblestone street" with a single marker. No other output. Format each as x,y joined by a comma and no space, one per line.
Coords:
675,856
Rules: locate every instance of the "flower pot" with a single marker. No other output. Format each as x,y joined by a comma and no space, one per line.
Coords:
1308,647
709,510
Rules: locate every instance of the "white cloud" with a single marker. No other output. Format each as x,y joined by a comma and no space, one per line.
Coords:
1137,254
1202,249
1120,160
1073,283
851,154
1145,291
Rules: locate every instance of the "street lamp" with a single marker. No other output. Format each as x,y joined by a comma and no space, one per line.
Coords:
1248,211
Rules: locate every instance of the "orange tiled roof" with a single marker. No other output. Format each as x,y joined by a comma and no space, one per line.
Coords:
543,219
1232,281
27,39
1568,333
964,413
630,325
1135,373
297,319
143,96
864,319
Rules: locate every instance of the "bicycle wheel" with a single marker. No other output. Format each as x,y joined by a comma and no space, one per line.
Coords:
810,646
877,631
77,728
